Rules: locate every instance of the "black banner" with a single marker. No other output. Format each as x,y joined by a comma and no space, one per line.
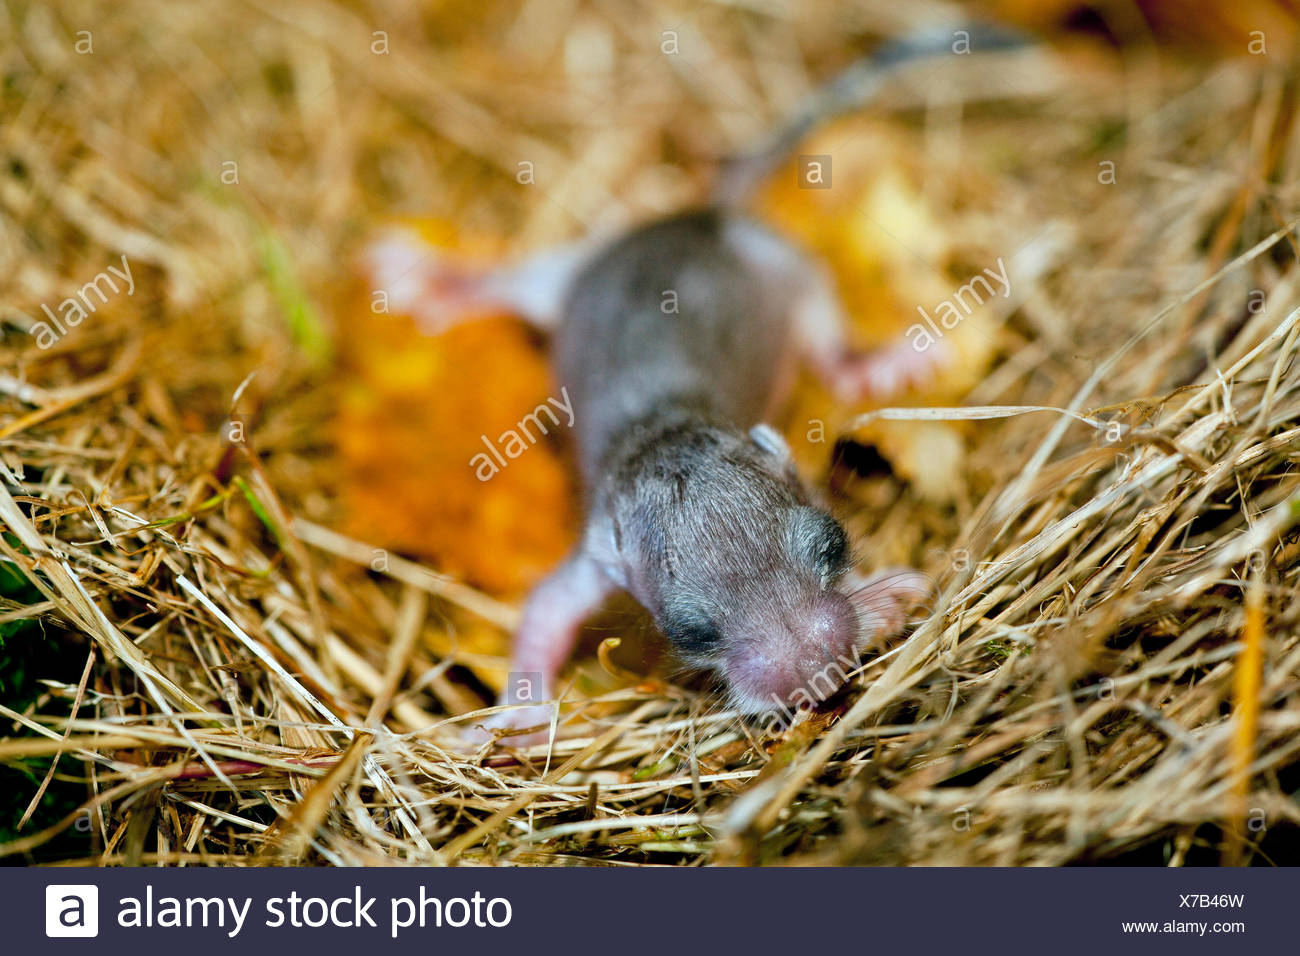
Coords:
647,910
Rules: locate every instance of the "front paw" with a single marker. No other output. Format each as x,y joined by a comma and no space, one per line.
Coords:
516,727
887,371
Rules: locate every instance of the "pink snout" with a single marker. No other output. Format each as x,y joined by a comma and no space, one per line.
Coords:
800,660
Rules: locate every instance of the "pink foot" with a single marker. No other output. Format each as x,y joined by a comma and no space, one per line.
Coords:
884,372
534,724
420,282
552,616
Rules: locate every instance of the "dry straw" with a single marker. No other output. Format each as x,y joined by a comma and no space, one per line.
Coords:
1092,682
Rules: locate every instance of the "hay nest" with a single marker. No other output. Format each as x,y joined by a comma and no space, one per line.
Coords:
1111,670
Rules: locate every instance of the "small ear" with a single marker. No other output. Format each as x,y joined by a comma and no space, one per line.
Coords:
769,439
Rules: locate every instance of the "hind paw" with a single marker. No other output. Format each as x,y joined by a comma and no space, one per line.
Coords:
418,280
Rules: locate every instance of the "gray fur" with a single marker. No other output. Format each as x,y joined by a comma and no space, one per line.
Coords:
623,356
708,526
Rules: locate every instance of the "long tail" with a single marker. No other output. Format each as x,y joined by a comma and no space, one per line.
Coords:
854,89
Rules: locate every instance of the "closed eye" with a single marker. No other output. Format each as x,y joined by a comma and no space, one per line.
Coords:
832,559
691,634
819,541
